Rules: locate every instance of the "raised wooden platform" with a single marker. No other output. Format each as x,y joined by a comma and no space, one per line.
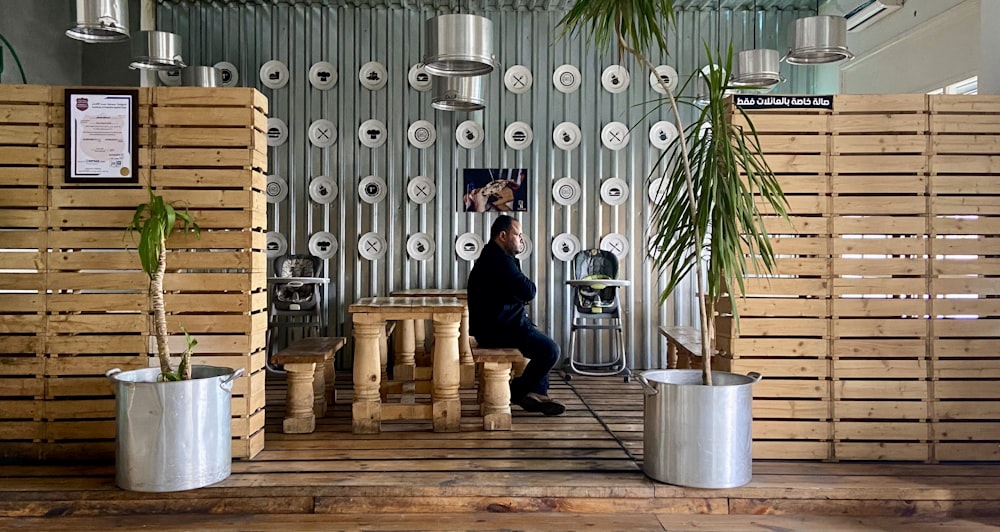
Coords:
581,470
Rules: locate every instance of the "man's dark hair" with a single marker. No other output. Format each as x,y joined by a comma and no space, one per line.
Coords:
501,224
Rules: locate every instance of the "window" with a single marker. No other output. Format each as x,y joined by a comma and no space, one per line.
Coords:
966,86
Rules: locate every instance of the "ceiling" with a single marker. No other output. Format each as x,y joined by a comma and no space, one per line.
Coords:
517,5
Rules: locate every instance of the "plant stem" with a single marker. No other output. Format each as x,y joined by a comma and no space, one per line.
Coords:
159,311
700,275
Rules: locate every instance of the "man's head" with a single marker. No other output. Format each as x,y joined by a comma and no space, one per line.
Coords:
506,233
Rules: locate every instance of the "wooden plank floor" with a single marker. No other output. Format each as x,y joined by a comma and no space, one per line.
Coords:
578,471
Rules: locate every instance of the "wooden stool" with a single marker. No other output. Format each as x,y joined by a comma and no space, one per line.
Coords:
309,363
494,385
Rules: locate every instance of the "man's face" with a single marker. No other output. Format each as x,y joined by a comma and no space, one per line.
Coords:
510,240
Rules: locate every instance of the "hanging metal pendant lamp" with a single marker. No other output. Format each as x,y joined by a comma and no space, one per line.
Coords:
458,93
818,40
459,45
759,67
100,21
157,50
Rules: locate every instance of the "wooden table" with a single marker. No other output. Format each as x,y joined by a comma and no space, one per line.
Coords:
411,333
369,317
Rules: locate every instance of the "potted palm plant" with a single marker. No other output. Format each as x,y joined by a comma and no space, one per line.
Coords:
173,424
697,428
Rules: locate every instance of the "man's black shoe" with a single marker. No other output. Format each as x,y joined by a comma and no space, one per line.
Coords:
533,402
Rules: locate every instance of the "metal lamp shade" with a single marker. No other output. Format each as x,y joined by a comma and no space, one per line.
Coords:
158,50
757,68
458,93
201,76
459,45
817,40
100,21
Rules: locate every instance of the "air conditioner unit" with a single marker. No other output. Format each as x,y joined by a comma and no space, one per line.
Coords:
868,12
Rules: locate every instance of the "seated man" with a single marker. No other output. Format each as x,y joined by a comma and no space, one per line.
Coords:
498,292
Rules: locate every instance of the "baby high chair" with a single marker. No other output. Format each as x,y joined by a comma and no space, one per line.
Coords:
596,307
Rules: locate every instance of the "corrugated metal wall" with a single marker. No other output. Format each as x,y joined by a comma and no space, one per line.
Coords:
249,34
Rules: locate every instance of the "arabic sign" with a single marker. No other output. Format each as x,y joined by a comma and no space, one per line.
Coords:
784,102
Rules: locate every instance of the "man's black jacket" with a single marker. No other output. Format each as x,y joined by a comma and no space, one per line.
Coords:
498,292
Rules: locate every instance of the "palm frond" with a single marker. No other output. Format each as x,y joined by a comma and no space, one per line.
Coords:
637,24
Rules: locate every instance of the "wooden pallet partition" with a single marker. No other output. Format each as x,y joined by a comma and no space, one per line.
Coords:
912,229
879,348
212,157
964,237
24,113
783,327
203,149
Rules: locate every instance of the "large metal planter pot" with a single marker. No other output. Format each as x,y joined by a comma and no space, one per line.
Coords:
173,436
695,435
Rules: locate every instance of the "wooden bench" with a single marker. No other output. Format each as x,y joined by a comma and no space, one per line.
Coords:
494,384
309,363
684,349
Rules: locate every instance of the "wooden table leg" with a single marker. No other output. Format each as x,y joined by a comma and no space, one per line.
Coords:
366,412
671,355
299,415
319,390
420,336
405,363
330,377
447,407
468,367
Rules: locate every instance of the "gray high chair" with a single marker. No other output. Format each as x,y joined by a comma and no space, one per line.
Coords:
596,308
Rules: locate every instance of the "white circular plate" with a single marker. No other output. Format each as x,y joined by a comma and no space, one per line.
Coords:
322,133
419,78
668,74
230,76
526,250
421,190
566,191
274,74
566,78
565,246
277,132
373,75
615,79
372,133
566,135
661,134
420,246
518,135
654,191
323,189
372,189
323,75
421,134
323,245
615,243
518,79
276,189
276,244
468,246
614,191
170,78
615,136
469,134
371,246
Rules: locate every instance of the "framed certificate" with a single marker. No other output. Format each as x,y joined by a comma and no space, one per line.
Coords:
102,128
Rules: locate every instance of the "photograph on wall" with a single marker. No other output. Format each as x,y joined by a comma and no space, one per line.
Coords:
494,189
101,136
